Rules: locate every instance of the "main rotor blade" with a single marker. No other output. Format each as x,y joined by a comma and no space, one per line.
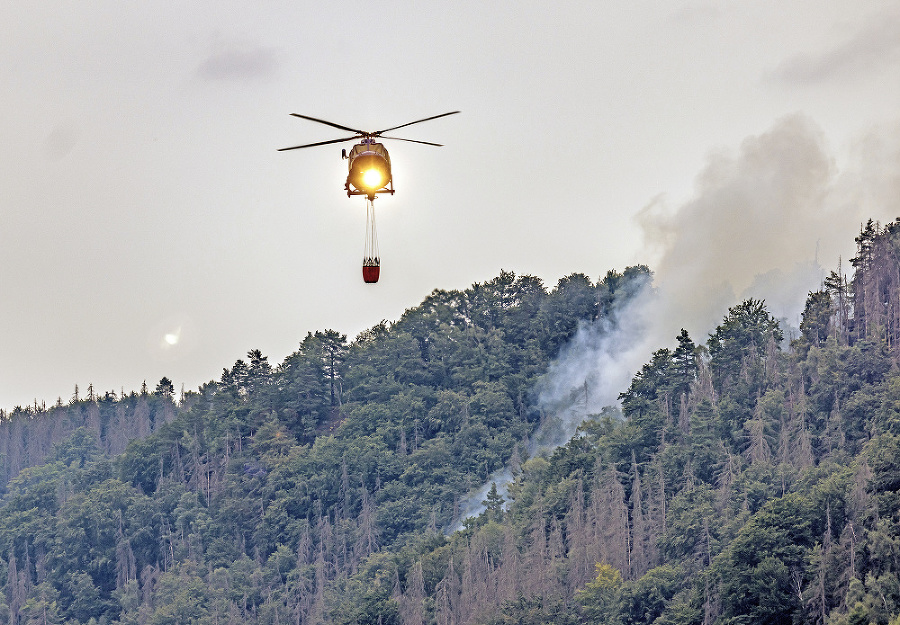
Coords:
440,145
332,124
418,121
312,145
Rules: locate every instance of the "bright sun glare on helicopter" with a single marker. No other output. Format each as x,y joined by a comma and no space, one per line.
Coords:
372,178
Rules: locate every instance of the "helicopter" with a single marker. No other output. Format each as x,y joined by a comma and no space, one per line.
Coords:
370,164
369,174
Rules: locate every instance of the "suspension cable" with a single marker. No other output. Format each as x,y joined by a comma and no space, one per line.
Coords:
370,252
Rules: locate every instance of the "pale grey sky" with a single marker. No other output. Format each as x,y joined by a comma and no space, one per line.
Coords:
142,196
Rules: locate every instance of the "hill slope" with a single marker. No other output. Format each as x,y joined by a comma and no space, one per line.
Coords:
746,480
344,448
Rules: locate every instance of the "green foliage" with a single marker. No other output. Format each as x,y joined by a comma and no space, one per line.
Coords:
600,597
535,610
739,346
493,505
757,570
739,483
816,322
183,598
645,599
77,450
165,388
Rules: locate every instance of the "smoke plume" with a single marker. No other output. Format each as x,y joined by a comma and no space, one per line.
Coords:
760,220
591,370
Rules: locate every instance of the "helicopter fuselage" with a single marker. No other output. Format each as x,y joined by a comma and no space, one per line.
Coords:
369,170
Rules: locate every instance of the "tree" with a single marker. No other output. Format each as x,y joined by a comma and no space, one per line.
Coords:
599,598
180,598
817,315
77,450
165,388
684,362
616,290
259,371
648,383
645,599
765,563
493,504
334,350
739,345
330,349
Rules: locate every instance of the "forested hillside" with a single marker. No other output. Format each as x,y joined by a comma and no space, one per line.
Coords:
747,479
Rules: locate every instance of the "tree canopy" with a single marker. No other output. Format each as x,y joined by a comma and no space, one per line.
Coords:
746,478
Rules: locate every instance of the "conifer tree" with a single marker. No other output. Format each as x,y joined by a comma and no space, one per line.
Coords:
493,504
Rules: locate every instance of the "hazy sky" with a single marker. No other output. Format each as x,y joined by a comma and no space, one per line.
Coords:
149,227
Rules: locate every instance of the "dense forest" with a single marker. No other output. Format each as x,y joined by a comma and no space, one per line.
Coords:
747,478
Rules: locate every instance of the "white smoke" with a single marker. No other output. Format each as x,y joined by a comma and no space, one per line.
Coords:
759,221
472,504
591,370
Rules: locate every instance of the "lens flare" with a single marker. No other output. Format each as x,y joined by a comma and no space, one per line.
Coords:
372,179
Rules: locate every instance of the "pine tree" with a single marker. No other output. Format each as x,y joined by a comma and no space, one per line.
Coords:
837,286
684,359
493,504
